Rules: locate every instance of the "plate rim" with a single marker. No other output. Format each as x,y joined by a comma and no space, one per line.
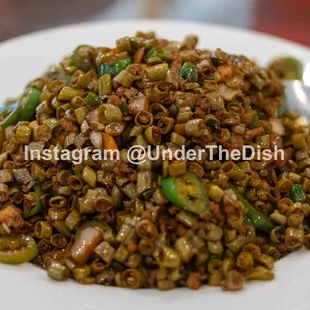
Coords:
158,21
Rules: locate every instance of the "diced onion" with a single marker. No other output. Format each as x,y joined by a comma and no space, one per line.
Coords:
87,241
137,104
228,93
96,139
277,126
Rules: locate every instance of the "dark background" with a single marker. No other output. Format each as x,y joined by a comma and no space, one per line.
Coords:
285,18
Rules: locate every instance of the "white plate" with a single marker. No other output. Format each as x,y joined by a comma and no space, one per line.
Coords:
27,287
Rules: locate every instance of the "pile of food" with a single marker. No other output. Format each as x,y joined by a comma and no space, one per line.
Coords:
163,223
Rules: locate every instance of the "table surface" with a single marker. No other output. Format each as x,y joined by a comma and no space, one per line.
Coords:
289,19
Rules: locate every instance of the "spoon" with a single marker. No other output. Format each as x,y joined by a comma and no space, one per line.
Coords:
296,78
297,97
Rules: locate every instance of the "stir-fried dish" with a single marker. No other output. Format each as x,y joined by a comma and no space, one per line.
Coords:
165,222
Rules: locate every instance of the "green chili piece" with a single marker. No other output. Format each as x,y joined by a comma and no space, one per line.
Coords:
106,69
17,249
51,192
124,107
11,118
251,119
189,72
187,192
38,205
67,78
28,110
7,107
156,52
120,65
298,193
258,220
93,100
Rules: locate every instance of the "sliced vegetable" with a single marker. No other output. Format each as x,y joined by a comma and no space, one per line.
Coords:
93,100
17,249
259,220
38,204
251,119
189,72
6,108
106,69
298,193
124,107
67,78
187,192
121,65
11,118
116,68
156,52
28,110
